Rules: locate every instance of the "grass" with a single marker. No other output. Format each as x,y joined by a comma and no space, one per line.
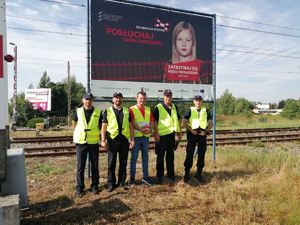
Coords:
255,121
46,168
246,185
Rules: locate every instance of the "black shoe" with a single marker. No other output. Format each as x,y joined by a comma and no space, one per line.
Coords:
147,181
172,178
132,181
125,187
79,194
95,190
200,178
159,180
186,177
110,188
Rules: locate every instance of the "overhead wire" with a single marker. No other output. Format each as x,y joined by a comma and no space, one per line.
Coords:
45,21
260,23
63,3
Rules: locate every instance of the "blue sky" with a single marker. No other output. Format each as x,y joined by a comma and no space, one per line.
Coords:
259,66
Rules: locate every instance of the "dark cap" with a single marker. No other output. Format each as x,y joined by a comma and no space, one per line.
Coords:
88,96
117,94
168,92
198,97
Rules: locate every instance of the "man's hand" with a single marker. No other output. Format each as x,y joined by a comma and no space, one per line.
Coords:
194,132
131,143
103,144
179,135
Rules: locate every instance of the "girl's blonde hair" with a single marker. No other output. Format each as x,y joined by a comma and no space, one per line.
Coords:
177,29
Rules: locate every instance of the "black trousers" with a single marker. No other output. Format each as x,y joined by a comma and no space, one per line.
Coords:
165,147
117,145
82,150
192,140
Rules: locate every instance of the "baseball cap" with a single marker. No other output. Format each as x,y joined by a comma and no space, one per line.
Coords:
117,94
168,92
198,97
88,96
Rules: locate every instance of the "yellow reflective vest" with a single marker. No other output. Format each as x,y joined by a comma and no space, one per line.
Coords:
87,133
140,120
167,124
112,126
198,119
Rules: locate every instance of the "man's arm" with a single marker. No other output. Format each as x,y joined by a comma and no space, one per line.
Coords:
103,135
131,141
209,126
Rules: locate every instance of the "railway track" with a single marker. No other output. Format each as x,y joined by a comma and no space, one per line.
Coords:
223,137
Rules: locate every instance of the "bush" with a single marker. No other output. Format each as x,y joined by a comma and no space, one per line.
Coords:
31,123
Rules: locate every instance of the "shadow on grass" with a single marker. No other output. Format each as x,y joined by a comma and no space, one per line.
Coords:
64,211
218,175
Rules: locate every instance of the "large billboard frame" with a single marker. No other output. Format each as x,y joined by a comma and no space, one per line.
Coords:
212,87
178,88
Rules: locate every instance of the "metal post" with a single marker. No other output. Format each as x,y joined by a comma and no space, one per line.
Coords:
14,116
69,96
214,89
88,72
88,47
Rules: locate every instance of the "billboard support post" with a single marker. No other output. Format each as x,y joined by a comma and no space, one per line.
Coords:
69,96
88,72
214,90
88,47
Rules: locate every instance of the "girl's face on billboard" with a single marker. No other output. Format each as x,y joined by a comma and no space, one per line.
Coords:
184,43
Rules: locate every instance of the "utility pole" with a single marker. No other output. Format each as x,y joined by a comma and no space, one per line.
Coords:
69,96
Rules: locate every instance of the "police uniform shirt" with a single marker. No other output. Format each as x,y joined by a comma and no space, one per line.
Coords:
156,112
87,113
188,115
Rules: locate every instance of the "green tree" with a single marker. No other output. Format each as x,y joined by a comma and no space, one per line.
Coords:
59,96
281,104
291,109
226,104
273,106
25,110
242,106
44,81
30,86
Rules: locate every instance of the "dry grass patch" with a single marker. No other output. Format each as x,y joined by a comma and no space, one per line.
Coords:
246,185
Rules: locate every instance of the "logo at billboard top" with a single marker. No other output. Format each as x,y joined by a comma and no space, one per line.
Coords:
162,25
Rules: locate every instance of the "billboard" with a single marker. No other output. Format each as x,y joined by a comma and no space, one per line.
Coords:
40,98
137,46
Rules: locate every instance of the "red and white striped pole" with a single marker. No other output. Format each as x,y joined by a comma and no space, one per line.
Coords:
14,116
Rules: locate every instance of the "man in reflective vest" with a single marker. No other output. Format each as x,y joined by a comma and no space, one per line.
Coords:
87,123
142,121
166,125
117,136
198,122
